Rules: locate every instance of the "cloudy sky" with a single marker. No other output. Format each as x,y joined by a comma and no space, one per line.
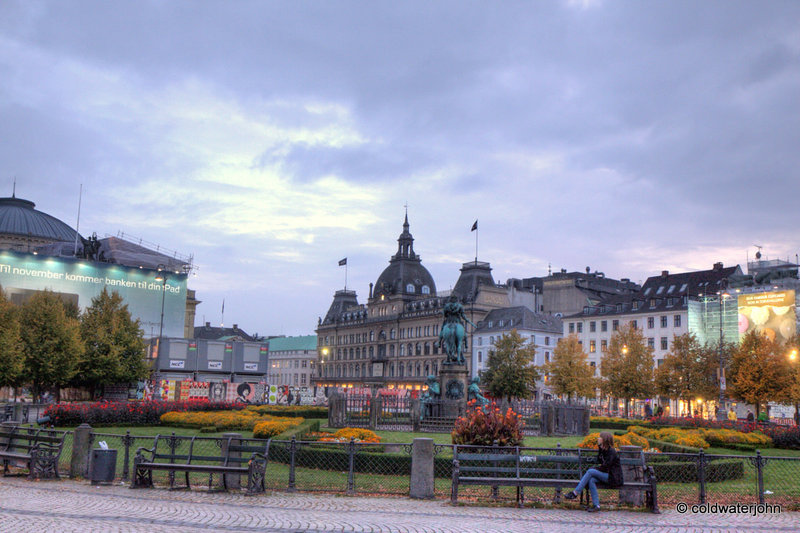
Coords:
271,139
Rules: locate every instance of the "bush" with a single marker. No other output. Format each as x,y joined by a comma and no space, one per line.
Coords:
612,422
356,434
304,411
271,428
487,426
226,420
139,413
590,441
637,440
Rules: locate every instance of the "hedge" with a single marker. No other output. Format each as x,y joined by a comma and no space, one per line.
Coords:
668,470
145,413
303,411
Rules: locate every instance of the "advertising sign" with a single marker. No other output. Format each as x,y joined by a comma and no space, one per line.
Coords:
78,281
215,365
251,366
173,363
771,313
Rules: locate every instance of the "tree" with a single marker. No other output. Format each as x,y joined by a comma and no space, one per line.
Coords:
51,342
114,347
792,393
11,358
689,370
627,366
569,370
759,370
510,372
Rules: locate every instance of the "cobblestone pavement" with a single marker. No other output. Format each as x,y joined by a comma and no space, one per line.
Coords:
63,506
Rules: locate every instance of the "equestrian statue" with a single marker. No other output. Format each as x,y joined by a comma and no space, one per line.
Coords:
452,336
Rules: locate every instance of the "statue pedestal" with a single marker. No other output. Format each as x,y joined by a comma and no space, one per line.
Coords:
454,381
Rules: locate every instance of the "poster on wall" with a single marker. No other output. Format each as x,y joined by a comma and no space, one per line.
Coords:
771,313
246,392
216,391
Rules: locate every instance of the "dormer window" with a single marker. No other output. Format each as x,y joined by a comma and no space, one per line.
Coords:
671,289
635,305
683,287
490,324
499,323
647,291
652,302
660,289
619,308
426,289
410,288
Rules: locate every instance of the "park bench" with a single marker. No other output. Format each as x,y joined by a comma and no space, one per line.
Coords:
37,449
524,467
238,458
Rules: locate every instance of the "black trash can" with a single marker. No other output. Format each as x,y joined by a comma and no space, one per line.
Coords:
103,466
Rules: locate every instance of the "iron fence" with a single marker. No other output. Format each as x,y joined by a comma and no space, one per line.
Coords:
24,413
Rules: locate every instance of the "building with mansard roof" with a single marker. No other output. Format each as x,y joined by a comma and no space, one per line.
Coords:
392,339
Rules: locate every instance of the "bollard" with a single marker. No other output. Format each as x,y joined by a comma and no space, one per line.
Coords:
421,486
81,444
233,481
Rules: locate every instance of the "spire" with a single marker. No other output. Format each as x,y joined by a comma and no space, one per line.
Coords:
405,243
14,190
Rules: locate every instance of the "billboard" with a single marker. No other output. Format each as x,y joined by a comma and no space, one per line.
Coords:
771,313
78,281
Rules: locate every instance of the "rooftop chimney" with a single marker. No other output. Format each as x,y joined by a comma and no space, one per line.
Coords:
208,324
718,266
664,273
236,326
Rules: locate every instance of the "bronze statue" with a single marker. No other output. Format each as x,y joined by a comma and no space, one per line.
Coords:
474,392
431,395
452,336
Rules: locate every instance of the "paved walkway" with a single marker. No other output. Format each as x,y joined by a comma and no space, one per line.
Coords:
64,506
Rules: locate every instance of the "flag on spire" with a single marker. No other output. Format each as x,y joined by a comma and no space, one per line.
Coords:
343,262
475,226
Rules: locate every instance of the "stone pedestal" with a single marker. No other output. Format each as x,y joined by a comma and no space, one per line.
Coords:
421,485
631,473
453,382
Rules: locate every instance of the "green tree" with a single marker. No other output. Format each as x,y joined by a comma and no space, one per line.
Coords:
510,372
627,366
760,371
11,357
689,370
569,371
51,342
114,347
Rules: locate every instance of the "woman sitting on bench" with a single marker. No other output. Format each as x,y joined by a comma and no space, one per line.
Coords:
608,472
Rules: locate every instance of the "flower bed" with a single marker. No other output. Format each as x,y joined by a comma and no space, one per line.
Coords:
356,434
612,422
230,420
304,411
704,437
487,426
126,413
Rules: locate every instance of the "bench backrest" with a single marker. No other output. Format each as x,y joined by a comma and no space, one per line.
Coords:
238,452
523,462
22,440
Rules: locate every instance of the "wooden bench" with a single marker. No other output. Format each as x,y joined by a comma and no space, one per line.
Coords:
37,449
523,467
234,460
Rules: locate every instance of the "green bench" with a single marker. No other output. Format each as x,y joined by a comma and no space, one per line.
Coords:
36,449
519,467
240,458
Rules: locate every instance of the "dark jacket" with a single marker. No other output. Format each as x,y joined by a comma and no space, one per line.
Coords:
610,464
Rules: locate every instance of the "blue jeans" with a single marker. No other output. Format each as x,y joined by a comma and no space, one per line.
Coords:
590,479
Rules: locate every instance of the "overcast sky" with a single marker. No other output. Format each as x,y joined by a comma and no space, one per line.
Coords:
271,139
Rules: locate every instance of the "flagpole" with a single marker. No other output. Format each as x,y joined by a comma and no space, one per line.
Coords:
476,245
345,276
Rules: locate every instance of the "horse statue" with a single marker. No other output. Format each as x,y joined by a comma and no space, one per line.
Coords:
452,336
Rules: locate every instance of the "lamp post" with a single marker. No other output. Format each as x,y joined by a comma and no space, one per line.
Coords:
722,296
162,277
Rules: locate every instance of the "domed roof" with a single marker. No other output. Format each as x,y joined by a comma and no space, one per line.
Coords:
18,217
405,274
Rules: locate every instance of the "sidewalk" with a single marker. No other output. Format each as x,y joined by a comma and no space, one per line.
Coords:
66,506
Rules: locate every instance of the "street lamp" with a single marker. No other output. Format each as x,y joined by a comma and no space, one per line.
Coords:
162,277
624,348
722,296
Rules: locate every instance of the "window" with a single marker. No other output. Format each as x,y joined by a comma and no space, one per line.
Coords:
480,357
664,343
480,341
647,291
676,321
592,346
635,305
547,341
670,302
671,289
371,336
604,325
614,325
491,340
533,339
580,327
572,327
511,323
410,288
683,287
490,324
651,322
592,327
664,321
603,345
426,289
634,324
660,289
499,323
651,342
392,334
402,350
546,357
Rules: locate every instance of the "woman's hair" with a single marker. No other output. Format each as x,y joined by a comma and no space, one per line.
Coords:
608,440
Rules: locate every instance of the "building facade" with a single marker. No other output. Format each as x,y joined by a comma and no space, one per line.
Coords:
542,331
292,360
392,340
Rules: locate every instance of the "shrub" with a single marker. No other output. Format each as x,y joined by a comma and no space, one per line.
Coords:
590,441
488,426
271,428
356,434
637,440
786,437
126,413
304,411
224,420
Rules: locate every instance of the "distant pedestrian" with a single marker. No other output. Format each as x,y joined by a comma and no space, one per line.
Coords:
732,415
648,411
750,417
660,411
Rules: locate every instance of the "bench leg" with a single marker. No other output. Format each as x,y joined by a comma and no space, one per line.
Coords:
256,472
652,496
142,477
521,496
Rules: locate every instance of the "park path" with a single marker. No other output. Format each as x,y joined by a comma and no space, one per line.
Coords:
66,506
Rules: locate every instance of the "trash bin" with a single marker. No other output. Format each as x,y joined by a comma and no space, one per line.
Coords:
103,467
